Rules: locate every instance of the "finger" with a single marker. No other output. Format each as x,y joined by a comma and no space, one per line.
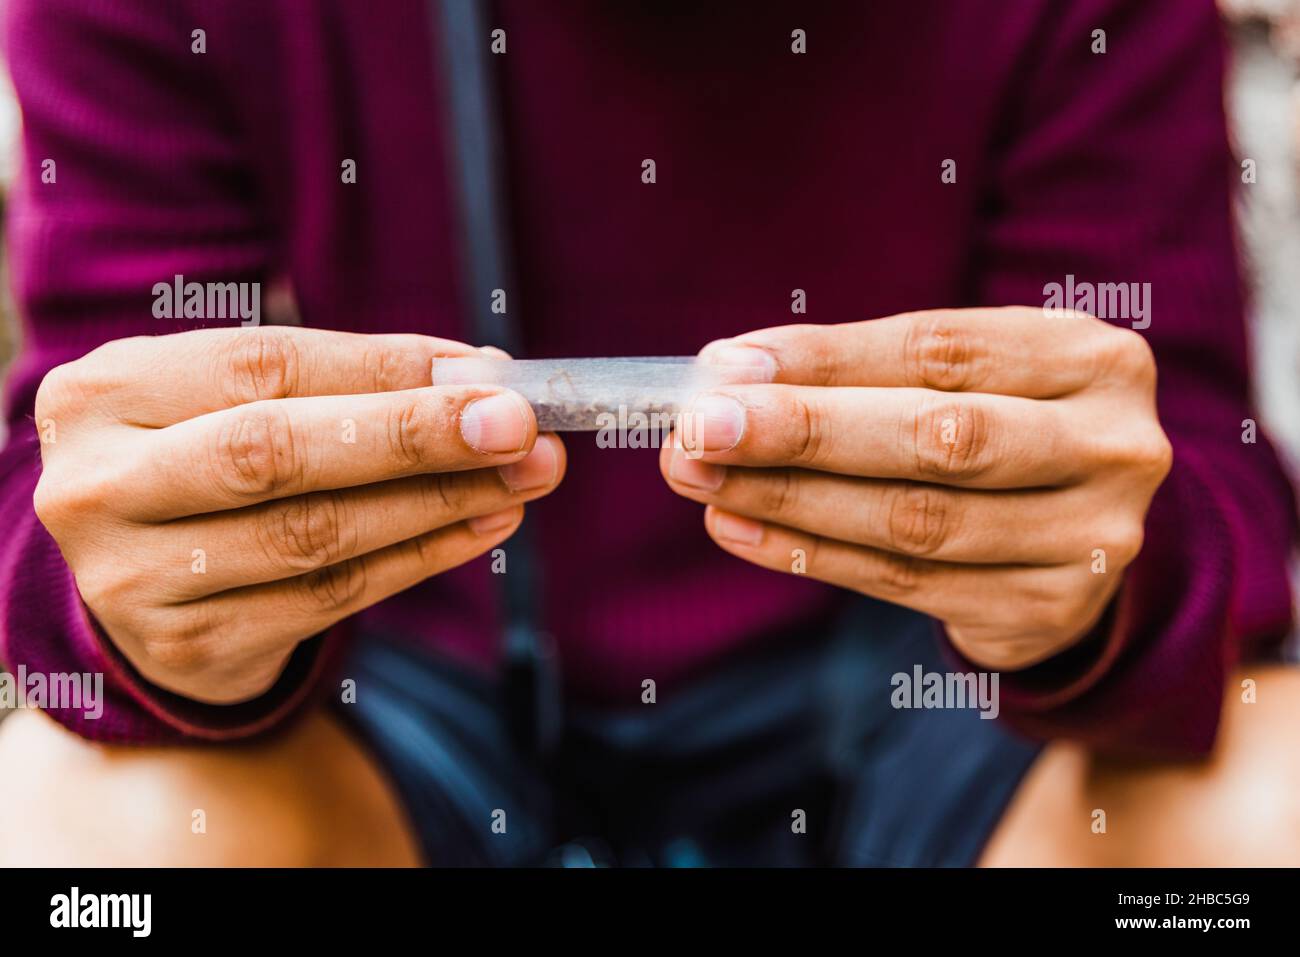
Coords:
1015,599
286,447
290,537
156,381
269,617
1011,351
971,439
1039,527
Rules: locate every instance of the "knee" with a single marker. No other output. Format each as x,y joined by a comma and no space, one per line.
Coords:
1236,808
78,803
1253,779
72,802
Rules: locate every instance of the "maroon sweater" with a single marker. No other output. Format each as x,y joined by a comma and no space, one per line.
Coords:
776,171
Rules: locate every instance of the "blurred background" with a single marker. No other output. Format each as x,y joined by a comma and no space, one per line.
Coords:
1264,105
1263,98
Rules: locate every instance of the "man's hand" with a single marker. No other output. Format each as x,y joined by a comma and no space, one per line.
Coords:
221,495
989,467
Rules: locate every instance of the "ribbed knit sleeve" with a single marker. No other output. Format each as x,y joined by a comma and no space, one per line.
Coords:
130,175
1127,149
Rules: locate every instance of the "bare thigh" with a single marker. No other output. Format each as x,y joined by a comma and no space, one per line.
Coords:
309,795
1238,807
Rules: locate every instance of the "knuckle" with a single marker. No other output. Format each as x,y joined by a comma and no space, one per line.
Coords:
1055,618
951,441
426,550
1143,450
69,503
312,531
1053,604
1155,455
118,589
899,575
780,493
49,501
811,440
254,454
87,383
175,656
180,645
821,356
1125,541
384,369
1125,354
919,520
97,585
940,353
57,391
411,433
444,494
335,588
261,363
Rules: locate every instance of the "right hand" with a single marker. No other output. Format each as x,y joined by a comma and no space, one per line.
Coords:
223,494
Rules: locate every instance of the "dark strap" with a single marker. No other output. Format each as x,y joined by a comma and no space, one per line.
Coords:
461,40
462,47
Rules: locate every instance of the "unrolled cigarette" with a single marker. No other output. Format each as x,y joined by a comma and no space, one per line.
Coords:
586,395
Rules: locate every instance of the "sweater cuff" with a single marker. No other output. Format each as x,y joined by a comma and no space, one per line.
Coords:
50,631
1148,679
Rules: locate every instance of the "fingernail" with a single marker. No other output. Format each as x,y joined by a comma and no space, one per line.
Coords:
735,528
494,424
726,353
487,524
701,475
715,424
535,470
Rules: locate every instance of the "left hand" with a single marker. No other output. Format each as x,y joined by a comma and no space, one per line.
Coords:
989,467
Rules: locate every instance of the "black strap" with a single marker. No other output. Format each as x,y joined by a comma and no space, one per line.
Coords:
461,41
